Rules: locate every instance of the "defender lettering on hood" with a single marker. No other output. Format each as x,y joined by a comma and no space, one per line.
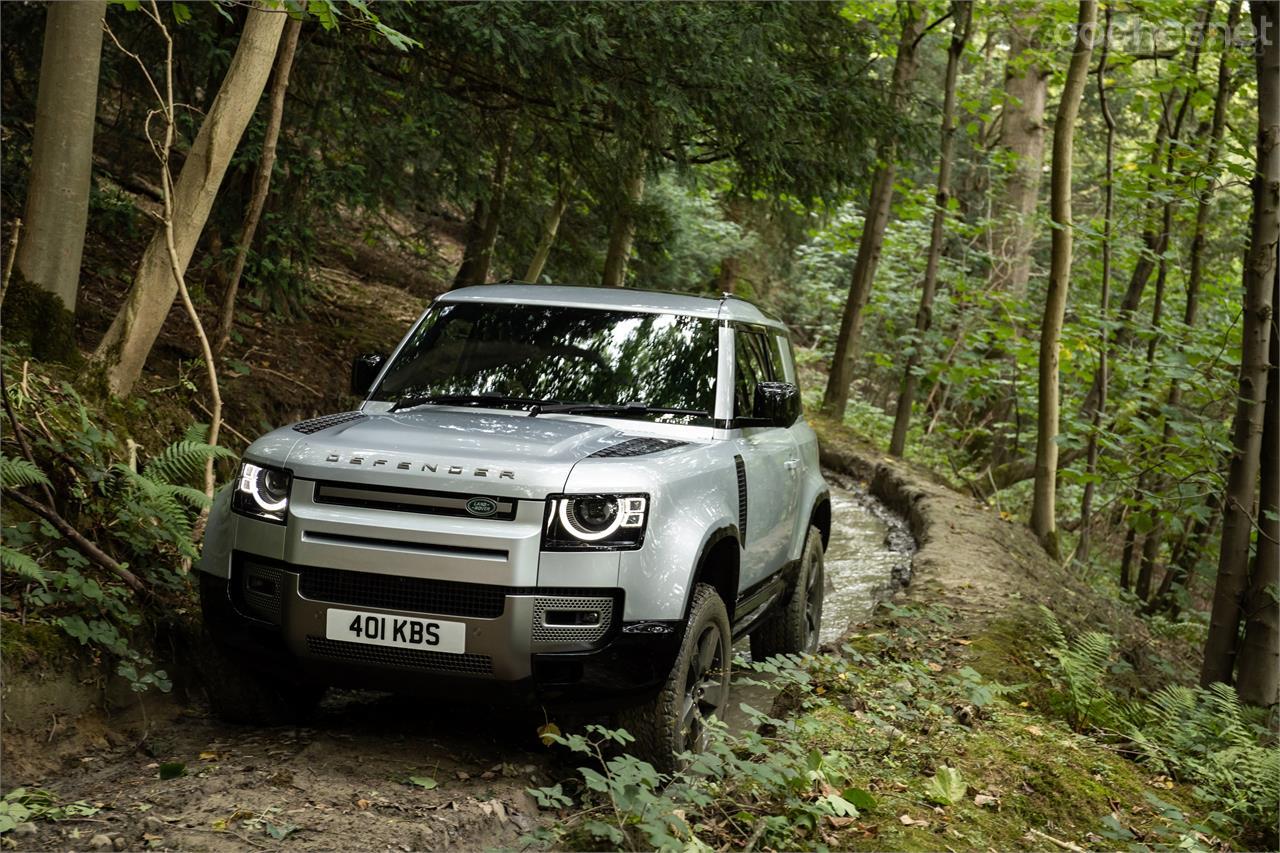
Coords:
432,467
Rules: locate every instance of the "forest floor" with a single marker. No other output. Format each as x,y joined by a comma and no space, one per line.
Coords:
390,773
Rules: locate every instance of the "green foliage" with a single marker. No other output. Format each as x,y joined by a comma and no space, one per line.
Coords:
31,804
1203,736
144,520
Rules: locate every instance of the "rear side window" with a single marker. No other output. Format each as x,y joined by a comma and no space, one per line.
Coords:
753,365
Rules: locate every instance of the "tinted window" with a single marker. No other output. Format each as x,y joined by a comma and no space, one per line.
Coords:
751,368
572,355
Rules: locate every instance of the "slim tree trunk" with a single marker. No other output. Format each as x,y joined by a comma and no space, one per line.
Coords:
1026,86
1259,667
1091,451
550,226
261,178
879,205
124,349
623,232
482,229
1184,559
1043,509
57,207
962,16
1259,278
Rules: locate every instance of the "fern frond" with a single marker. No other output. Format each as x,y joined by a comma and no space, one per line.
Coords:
21,565
16,473
181,461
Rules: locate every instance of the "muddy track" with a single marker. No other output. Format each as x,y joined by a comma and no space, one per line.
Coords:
370,771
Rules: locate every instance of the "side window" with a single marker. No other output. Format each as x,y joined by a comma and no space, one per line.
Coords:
777,343
752,365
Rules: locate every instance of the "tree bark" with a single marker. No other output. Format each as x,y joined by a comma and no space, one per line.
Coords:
1259,278
1258,677
57,206
962,16
879,205
1022,125
1108,208
482,229
261,178
550,226
124,349
1043,509
623,232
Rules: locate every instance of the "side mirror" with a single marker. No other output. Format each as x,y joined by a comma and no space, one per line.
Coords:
778,403
365,369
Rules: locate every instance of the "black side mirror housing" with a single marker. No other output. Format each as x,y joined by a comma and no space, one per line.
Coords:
778,403
364,369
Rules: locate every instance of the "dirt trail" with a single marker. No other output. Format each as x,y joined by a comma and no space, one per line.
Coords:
348,779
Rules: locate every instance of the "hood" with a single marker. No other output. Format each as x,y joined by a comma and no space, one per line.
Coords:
445,449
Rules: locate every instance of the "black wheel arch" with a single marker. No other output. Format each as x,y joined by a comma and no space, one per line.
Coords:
719,565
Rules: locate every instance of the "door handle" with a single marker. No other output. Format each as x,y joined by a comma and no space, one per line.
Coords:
791,464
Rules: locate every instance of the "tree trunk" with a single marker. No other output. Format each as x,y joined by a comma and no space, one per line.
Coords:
879,205
1259,278
57,207
124,349
1258,677
1043,509
1026,87
482,229
471,246
1108,207
550,225
962,16
261,178
1184,559
623,231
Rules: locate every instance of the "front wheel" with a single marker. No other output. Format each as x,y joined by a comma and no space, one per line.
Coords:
795,628
698,687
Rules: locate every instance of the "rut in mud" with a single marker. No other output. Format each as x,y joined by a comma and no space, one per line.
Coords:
384,772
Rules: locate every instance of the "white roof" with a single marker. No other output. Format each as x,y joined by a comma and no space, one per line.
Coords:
616,298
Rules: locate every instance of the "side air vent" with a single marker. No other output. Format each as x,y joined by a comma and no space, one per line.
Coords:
742,499
638,447
316,424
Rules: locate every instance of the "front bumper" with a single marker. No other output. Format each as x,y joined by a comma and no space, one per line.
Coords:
517,646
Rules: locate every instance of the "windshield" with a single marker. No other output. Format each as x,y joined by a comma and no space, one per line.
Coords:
561,354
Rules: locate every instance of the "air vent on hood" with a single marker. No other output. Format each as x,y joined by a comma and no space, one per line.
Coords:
639,447
316,424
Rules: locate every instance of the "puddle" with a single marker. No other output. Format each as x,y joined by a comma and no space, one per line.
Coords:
867,560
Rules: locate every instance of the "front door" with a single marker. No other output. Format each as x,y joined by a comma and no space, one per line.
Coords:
770,460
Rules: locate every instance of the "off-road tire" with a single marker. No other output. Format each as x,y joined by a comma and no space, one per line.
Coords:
657,725
242,695
794,629
237,691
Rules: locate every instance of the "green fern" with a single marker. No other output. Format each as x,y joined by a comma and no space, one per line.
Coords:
182,461
21,565
16,473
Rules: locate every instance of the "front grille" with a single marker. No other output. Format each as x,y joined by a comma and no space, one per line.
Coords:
544,633
392,592
400,658
415,500
316,424
639,447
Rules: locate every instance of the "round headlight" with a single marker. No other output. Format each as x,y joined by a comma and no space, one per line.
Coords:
590,518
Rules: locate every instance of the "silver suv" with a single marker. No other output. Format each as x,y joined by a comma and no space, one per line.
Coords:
572,495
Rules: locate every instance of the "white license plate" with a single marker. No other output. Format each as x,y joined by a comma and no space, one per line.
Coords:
404,632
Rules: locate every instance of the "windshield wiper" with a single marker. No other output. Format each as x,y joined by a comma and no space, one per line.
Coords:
624,409
409,402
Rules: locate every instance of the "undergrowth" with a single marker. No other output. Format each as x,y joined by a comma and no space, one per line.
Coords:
136,509
898,743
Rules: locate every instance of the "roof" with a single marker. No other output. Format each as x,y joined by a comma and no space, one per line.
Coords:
617,298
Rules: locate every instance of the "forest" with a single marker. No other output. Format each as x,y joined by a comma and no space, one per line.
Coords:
1026,251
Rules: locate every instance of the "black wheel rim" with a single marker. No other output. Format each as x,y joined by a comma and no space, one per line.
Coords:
706,689
813,594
